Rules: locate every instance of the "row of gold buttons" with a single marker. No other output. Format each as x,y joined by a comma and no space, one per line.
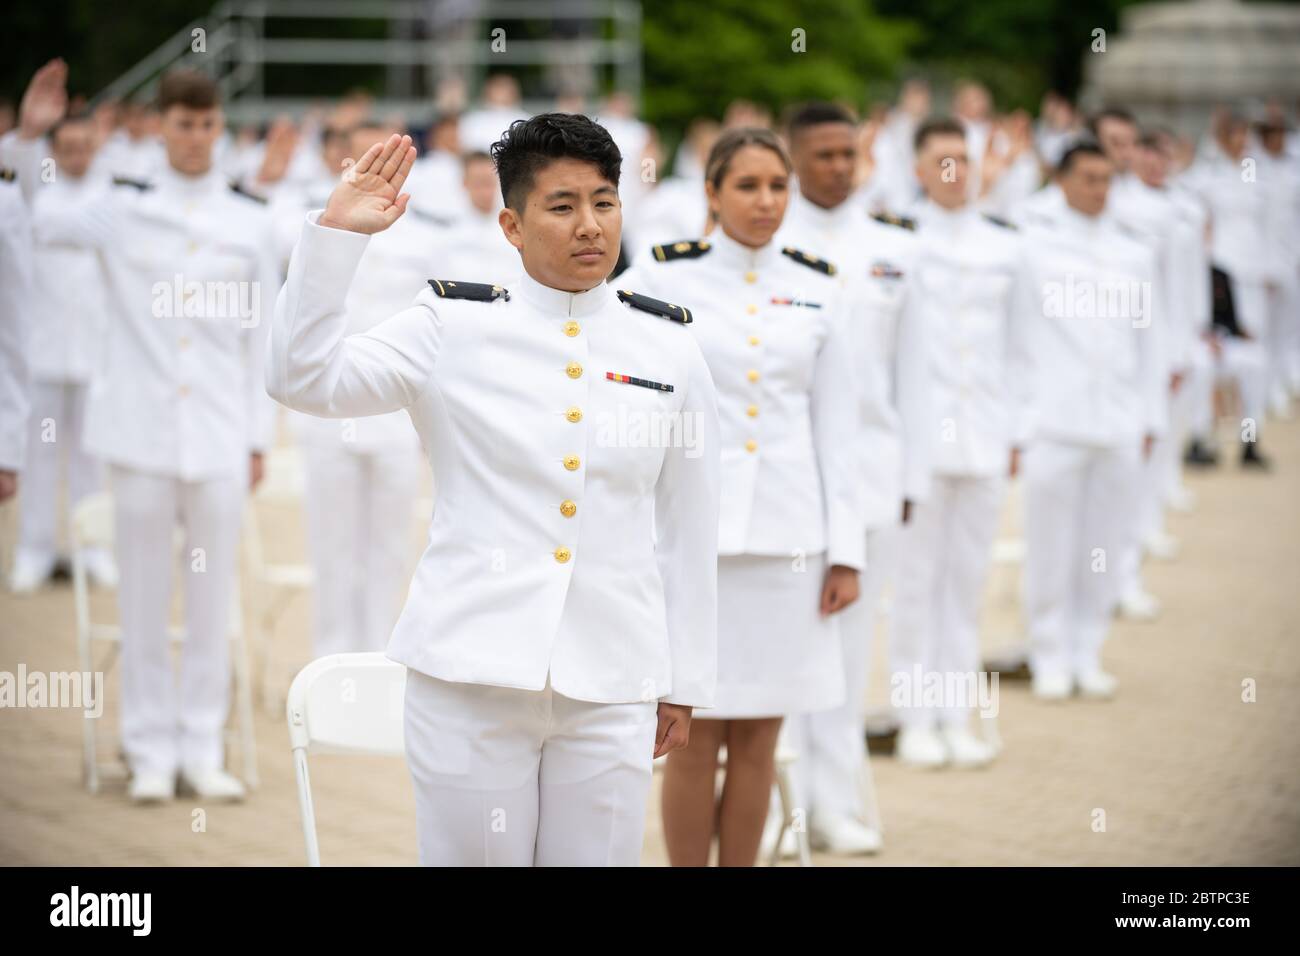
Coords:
573,413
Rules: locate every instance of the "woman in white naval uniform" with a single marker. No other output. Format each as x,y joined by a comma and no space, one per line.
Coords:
562,621
790,540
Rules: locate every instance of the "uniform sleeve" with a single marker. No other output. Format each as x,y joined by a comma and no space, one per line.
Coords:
1018,350
26,157
95,224
912,393
313,367
836,431
15,312
1153,367
686,530
261,410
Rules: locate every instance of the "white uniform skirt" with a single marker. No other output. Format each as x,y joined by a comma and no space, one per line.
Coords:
776,654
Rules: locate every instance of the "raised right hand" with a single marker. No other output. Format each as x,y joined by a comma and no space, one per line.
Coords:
369,198
45,101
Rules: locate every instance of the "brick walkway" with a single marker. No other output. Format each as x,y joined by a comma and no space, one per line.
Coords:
1185,772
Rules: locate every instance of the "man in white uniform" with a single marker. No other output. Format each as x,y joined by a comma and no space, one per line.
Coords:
563,621
977,305
179,413
875,258
67,339
15,321
474,248
1096,403
363,473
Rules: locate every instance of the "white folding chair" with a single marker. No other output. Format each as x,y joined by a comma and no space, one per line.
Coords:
92,526
343,704
785,759
271,586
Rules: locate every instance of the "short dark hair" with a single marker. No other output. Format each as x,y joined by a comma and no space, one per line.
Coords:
937,126
1110,112
186,87
530,145
815,113
1071,155
73,119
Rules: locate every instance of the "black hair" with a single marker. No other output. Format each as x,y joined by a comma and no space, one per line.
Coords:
1111,112
815,113
1071,155
937,126
531,145
72,119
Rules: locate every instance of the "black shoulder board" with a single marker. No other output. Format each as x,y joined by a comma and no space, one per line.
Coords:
889,219
8,175
999,222
139,184
655,307
238,189
681,250
812,262
474,291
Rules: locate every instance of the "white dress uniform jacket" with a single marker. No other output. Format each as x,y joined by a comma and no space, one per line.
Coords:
977,307
192,276
541,558
875,262
15,320
1097,372
777,342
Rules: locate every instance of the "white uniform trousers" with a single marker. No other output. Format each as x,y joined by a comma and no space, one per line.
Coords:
511,777
54,450
359,529
1148,509
831,744
1196,389
1078,516
944,557
1242,361
165,725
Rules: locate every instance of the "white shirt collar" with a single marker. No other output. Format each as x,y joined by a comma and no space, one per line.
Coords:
174,181
556,302
804,210
735,255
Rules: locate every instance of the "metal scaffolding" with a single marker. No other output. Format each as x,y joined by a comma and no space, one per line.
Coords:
426,39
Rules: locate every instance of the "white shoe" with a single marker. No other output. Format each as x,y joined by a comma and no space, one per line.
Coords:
1052,685
921,747
101,569
844,836
152,787
1161,545
1279,405
213,784
1181,499
30,571
965,750
1096,683
1139,605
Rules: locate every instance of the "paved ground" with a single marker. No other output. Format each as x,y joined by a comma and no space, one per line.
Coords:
1184,770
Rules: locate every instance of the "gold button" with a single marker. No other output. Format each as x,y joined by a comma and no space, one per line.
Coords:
753,340
751,445
751,277
573,370
568,508
574,414
184,342
752,375
752,411
184,390
194,246
572,462
751,309
572,328
563,554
